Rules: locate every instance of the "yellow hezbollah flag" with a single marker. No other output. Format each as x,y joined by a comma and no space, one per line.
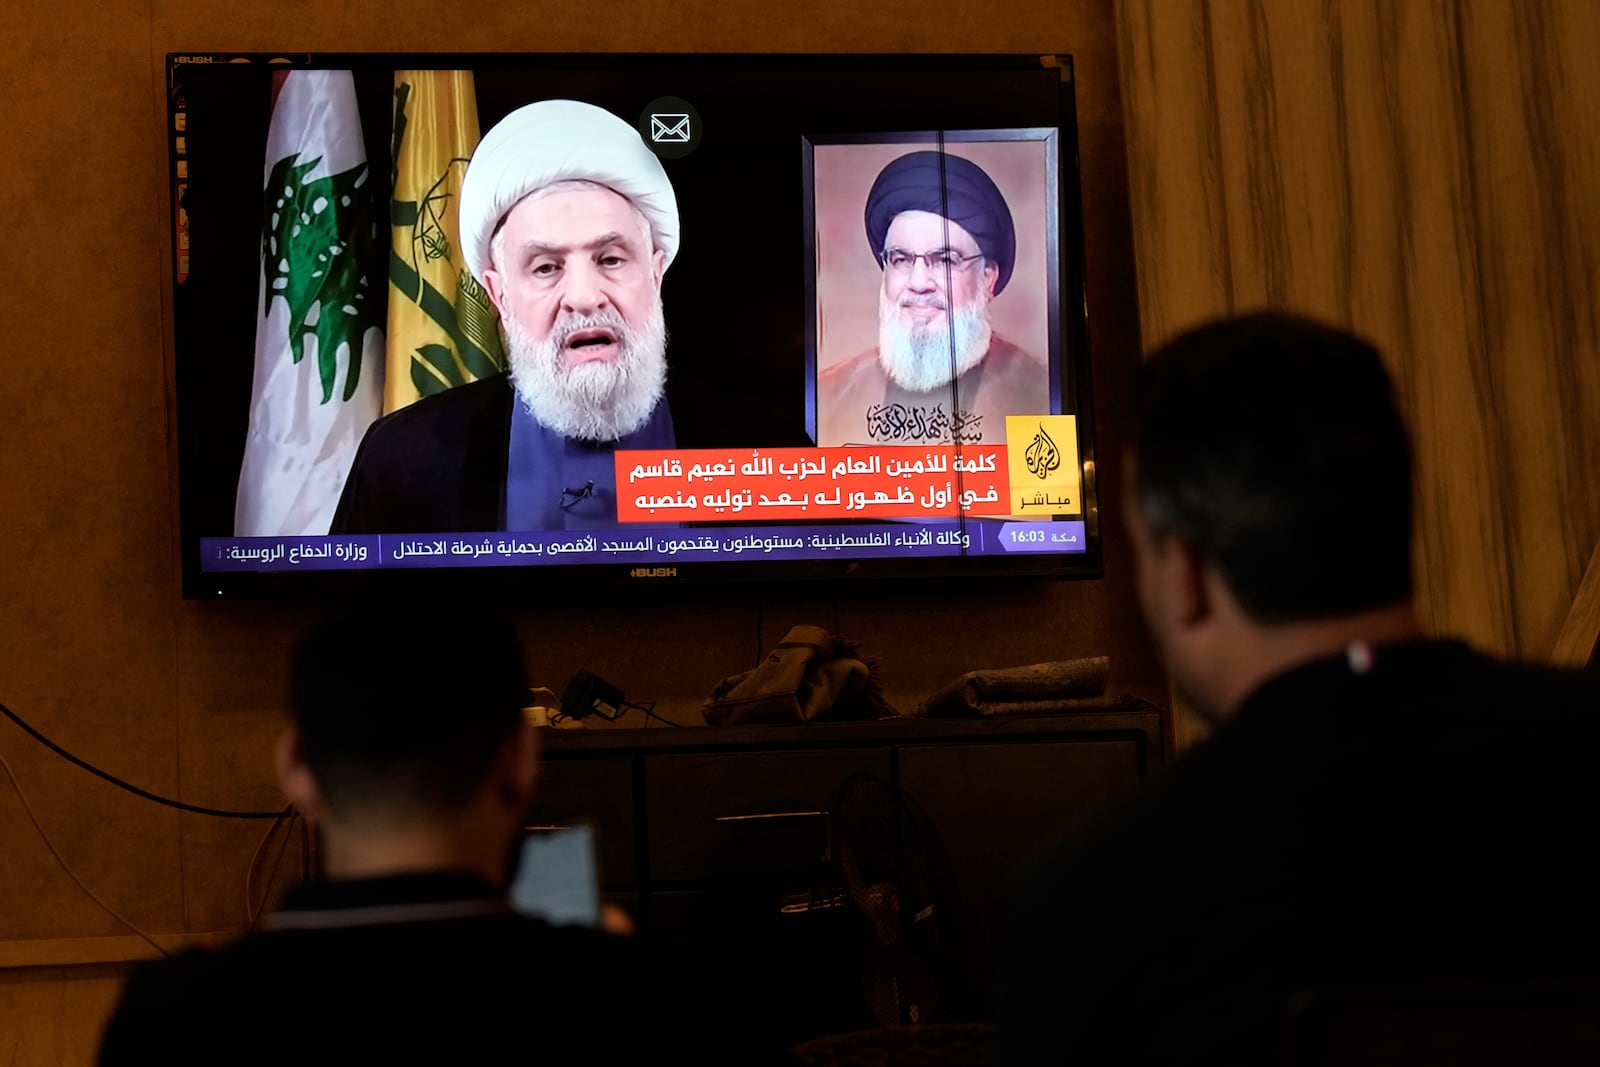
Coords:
442,328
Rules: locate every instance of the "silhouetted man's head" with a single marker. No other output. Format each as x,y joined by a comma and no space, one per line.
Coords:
1269,454
402,712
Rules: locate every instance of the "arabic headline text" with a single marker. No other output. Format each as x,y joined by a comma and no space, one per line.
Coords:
811,483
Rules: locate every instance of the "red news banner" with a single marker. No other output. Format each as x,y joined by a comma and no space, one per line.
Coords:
787,484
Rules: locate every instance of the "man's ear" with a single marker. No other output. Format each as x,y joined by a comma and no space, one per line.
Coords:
1183,572
519,765
296,779
991,278
495,286
658,265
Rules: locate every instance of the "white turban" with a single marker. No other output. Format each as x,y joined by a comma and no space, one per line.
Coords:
560,140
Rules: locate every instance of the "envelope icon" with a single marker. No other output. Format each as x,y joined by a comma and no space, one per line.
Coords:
669,128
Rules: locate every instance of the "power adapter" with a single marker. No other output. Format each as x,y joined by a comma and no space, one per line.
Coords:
589,694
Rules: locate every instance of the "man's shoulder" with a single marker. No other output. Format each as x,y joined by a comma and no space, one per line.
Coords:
844,390
1343,820
257,954
858,369
434,466
1439,684
1005,354
458,409
1532,685
437,991
161,998
471,972
444,429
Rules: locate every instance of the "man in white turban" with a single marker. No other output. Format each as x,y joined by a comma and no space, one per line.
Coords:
569,222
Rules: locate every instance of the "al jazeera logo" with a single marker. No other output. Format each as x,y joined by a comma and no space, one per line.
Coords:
1042,460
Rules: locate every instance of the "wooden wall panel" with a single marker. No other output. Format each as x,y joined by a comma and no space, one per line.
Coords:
1425,173
1174,165
86,571
52,1016
185,698
1417,254
1532,93
1579,642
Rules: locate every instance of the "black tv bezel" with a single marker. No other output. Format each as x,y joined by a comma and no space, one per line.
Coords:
198,584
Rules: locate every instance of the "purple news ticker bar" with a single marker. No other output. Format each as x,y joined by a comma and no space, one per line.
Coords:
639,545
290,553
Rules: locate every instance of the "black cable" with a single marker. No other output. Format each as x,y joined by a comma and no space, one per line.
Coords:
649,709
220,813
67,867
272,876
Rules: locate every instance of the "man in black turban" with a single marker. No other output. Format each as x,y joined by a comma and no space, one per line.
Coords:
945,239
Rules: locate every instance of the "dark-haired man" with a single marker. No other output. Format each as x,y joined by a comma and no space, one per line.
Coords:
417,767
1374,810
944,237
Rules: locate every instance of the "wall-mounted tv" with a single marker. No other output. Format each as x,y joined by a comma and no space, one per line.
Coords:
453,321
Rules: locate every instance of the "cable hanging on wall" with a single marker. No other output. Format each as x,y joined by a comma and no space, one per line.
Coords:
197,809
287,812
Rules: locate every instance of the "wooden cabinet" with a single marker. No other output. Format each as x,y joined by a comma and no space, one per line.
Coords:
720,817
996,804
717,836
601,791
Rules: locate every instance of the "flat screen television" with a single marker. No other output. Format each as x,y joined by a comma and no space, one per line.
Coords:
863,274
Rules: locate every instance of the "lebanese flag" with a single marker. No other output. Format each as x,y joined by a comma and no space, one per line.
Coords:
319,342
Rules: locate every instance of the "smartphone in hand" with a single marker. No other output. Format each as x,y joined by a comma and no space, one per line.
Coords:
558,877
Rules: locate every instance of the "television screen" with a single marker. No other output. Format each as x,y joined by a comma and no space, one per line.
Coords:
545,319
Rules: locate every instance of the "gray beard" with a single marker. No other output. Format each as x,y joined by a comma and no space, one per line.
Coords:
920,360
599,401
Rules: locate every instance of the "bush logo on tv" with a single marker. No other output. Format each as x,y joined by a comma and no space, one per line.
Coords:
653,572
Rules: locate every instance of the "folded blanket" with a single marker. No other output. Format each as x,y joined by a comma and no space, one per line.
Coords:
1038,687
810,675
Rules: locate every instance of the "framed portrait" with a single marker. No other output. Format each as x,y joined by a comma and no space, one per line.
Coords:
937,343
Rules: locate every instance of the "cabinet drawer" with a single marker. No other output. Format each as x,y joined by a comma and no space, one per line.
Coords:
600,790
1040,789
745,815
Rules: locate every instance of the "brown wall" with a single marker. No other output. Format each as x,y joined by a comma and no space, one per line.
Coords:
100,653
1428,173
